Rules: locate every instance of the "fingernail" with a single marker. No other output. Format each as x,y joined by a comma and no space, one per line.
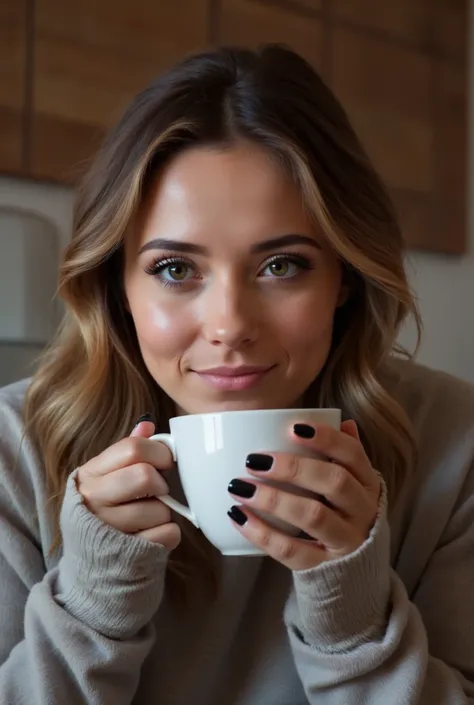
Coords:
146,417
241,488
237,515
258,461
303,430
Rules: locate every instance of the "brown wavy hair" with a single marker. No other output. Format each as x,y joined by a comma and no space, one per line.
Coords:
92,383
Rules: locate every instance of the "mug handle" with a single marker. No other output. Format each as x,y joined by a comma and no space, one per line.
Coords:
167,440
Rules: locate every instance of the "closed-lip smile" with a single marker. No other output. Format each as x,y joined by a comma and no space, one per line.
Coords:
233,378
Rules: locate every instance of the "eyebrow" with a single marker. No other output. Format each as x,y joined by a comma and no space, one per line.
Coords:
258,248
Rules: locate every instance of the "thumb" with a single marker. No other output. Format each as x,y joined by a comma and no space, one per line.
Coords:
349,427
145,427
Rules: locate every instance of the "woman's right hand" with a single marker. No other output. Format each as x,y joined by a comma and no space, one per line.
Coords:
121,486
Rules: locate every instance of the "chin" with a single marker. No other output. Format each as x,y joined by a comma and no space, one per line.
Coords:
217,406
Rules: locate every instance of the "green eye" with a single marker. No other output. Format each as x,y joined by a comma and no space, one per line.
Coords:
279,268
177,272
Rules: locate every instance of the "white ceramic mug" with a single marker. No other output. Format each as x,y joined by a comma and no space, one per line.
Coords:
211,449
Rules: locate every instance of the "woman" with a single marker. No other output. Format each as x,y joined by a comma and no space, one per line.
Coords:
232,220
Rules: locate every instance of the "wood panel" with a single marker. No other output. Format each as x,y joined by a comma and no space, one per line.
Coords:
399,68
90,59
250,23
12,82
410,20
314,5
406,96
450,150
386,91
451,27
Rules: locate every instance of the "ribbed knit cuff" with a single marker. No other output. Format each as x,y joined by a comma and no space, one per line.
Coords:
111,581
343,603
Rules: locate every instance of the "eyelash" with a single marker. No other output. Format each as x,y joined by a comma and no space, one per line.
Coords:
159,265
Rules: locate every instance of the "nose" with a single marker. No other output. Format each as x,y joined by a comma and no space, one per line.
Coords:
229,315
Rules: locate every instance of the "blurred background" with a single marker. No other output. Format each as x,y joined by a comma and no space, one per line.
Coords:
403,69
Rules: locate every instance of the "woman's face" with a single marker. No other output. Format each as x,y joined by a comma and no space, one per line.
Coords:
231,288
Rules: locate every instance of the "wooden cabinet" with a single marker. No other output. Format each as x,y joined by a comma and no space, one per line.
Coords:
399,68
250,23
13,24
68,68
90,58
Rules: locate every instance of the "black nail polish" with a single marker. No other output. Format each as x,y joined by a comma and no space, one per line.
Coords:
258,461
303,430
146,417
241,488
237,515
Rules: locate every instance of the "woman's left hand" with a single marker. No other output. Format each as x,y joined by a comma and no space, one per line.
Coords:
337,520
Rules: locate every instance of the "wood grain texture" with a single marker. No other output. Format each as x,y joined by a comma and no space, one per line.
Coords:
316,5
409,20
91,58
399,68
385,88
250,23
12,82
451,28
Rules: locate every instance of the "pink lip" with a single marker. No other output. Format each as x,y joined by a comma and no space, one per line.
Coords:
233,379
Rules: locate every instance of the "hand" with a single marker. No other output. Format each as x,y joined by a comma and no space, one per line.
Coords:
336,519
121,486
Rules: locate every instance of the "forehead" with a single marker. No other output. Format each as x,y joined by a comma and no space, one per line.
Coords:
237,192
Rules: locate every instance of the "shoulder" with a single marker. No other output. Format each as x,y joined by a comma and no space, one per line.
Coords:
22,479
440,406
441,410
12,425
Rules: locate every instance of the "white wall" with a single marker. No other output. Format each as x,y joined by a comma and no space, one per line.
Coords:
445,285
17,359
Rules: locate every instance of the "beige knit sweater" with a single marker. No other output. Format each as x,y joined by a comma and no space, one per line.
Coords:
392,624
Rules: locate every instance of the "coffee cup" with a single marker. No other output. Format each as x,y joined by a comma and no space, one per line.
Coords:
211,449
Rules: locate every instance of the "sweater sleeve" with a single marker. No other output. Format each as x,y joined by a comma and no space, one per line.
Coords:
358,638
80,632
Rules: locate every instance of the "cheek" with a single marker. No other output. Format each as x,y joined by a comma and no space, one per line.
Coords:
309,318
161,331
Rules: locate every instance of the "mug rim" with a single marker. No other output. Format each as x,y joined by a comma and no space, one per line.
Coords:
255,411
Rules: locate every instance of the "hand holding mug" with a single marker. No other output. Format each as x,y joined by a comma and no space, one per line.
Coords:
336,518
121,486
211,449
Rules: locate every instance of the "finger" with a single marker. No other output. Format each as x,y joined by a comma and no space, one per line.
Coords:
124,485
310,515
143,429
339,447
330,480
168,535
136,516
350,427
292,552
129,451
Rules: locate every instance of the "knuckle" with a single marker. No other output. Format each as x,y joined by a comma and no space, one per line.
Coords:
142,477
284,549
294,468
314,515
131,450
264,538
339,479
269,499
